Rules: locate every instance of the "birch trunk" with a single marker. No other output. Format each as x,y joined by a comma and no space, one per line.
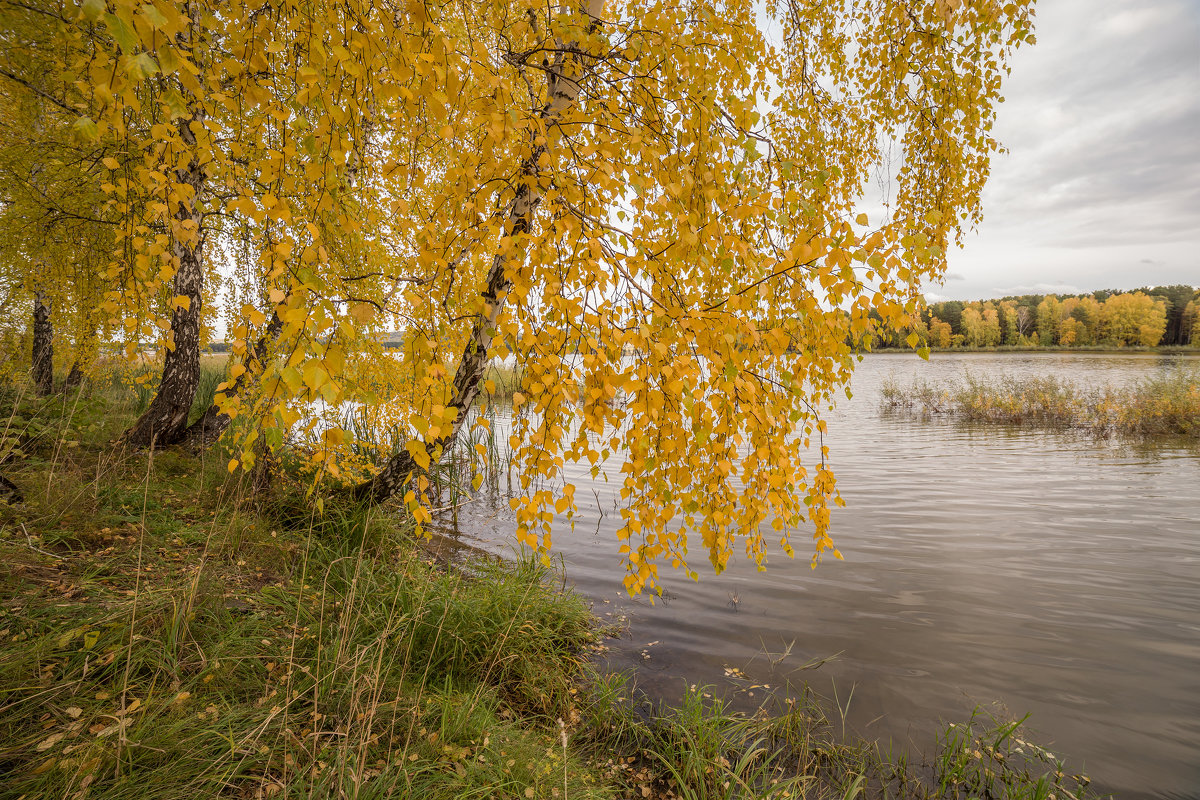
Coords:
165,421
85,345
42,360
563,78
74,377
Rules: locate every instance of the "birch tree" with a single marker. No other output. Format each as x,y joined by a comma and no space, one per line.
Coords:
658,209
681,207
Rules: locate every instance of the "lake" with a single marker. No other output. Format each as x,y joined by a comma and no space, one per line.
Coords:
1019,570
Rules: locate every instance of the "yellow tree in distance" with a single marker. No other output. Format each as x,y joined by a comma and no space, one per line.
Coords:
656,207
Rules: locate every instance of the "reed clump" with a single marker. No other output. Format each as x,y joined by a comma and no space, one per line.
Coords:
1167,404
505,380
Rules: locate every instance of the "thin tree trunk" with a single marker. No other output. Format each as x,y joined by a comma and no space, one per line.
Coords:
165,421
43,346
206,430
84,352
262,478
42,357
74,377
564,77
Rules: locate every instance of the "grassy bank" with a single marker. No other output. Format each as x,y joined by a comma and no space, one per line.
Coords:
166,635
1164,405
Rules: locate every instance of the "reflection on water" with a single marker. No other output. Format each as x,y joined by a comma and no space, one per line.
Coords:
1041,571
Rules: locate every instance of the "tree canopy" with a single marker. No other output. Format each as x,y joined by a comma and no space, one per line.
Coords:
1146,317
656,208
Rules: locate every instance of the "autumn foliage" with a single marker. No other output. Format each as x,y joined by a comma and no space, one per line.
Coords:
655,209
1149,317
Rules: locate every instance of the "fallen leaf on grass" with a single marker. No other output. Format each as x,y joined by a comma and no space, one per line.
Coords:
49,742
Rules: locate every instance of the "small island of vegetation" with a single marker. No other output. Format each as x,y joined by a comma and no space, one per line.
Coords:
1167,405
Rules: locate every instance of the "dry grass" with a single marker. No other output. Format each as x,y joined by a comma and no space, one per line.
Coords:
1164,405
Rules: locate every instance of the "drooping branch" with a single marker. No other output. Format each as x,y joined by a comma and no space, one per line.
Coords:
564,82
40,93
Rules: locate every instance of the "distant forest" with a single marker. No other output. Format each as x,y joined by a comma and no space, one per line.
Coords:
1147,317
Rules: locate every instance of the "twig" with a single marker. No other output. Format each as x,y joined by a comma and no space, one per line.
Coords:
451,506
32,546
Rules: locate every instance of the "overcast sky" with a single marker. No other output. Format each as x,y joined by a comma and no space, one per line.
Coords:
1101,187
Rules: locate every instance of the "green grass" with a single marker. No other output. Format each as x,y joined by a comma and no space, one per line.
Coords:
702,749
143,660
1168,404
988,757
162,636
136,386
210,378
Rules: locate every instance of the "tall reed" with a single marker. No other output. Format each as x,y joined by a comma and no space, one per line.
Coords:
1167,404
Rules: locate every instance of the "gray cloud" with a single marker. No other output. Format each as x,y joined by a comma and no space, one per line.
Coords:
1103,175
1038,288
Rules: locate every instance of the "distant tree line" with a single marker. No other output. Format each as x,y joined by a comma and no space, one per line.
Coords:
1147,317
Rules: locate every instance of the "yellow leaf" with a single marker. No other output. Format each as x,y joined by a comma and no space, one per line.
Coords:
141,66
363,312
315,376
418,452
92,9
253,315
86,130
292,378
153,15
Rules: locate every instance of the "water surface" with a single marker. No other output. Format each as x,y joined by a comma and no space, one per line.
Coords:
1018,569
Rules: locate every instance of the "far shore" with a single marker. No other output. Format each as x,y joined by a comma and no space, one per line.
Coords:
1171,350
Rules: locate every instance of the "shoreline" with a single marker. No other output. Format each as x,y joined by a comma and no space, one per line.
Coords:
169,633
